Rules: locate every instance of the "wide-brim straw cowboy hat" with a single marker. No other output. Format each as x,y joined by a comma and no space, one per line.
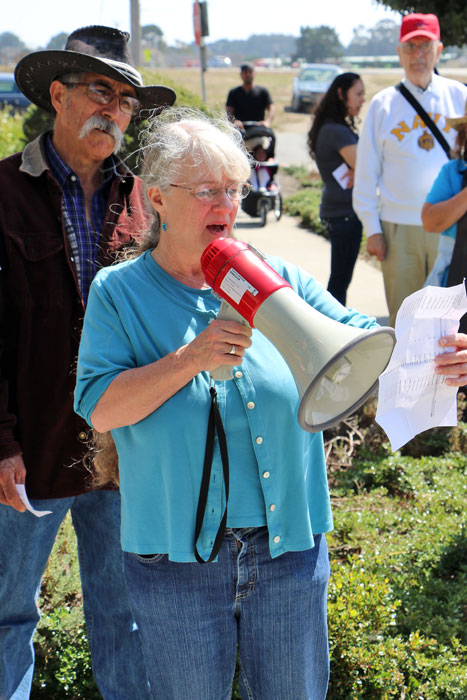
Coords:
458,122
95,49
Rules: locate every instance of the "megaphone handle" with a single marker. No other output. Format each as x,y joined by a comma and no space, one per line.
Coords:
227,312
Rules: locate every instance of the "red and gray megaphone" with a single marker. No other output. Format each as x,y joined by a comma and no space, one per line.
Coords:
335,366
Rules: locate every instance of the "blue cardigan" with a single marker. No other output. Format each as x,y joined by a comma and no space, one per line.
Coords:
137,314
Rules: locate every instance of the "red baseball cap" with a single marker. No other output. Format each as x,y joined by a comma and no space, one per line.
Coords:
419,25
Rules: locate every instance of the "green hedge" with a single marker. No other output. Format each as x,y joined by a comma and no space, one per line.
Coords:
305,202
11,133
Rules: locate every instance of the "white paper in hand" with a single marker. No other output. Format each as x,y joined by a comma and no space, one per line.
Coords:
411,397
21,489
340,173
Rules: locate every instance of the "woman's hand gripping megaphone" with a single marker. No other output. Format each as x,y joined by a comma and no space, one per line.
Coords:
228,313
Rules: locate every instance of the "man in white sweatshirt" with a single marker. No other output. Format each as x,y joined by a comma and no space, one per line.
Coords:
398,159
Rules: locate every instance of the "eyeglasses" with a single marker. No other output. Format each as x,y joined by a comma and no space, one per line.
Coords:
206,193
104,96
425,46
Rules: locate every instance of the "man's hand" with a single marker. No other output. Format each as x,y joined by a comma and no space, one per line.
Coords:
376,245
12,472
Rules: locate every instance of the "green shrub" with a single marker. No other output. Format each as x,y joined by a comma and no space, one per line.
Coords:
10,133
305,204
302,175
385,473
437,442
185,97
63,661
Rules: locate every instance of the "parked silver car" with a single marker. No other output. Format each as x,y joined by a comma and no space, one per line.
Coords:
311,84
10,95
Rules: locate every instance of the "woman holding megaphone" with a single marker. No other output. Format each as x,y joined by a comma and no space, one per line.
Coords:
225,502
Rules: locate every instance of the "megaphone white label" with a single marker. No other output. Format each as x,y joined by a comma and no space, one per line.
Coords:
235,286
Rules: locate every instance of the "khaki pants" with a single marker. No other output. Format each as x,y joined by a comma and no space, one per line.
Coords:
410,255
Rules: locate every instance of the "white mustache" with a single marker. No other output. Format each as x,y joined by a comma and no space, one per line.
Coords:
98,122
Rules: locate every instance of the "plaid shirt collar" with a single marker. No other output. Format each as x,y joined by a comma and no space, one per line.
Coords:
83,235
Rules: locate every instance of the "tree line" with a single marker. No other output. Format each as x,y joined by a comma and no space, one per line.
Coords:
313,44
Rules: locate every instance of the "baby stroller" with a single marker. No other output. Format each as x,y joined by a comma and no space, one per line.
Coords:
265,195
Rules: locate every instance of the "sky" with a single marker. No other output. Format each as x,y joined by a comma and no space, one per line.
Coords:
37,21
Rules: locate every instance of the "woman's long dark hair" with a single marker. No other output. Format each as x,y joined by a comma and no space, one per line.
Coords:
332,107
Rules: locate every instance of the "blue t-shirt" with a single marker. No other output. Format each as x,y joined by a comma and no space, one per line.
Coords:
448,183
137,314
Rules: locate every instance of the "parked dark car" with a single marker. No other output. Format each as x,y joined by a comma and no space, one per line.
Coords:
311,84
10,96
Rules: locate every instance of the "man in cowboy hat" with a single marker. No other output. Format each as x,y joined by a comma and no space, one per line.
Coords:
67,206
398,158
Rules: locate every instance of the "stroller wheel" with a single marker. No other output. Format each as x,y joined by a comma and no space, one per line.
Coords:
278,206
263,211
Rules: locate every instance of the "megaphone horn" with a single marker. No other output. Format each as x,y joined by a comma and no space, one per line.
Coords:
335,366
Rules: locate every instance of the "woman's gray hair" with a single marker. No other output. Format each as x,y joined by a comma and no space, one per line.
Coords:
186,146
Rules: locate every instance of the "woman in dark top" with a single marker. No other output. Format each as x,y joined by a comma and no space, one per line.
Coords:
332,142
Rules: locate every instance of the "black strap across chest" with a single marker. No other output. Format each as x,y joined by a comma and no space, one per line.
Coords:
426,118
215,426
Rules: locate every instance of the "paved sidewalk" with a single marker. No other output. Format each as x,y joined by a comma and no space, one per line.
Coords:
313,253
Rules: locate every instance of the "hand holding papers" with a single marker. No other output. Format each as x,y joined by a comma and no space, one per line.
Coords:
412,398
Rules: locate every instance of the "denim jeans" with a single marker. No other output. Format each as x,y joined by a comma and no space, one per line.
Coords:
25,545
193,618
345,234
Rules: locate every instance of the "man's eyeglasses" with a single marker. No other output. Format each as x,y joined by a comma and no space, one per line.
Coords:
104,96
424,47
206,193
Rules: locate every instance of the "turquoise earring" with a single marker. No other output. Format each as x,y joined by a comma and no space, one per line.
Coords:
164,226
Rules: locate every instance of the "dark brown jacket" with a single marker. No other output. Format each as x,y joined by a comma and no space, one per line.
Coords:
41,313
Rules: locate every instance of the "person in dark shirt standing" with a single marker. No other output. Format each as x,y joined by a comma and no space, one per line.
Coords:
251,103
248,102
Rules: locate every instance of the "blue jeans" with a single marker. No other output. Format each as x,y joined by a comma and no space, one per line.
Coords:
345,234
194,617
25,545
